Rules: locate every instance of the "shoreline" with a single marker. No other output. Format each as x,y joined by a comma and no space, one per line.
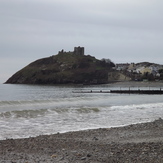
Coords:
138,83
142,142
121,82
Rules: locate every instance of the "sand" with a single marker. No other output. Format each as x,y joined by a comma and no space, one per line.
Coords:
133,143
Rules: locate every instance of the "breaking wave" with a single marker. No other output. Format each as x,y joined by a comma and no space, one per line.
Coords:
33,109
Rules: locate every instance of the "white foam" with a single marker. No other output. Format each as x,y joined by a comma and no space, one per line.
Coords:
54,121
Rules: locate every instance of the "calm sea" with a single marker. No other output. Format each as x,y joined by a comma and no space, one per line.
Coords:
32,110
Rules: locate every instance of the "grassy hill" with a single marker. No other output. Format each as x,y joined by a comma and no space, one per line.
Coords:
63,68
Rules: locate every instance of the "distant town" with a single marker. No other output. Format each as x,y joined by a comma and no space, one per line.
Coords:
143,71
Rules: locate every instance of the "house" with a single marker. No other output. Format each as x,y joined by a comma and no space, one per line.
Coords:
145,70
122,66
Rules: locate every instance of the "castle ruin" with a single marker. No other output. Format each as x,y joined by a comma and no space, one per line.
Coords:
79,50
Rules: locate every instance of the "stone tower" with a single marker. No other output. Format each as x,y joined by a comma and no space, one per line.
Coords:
79,50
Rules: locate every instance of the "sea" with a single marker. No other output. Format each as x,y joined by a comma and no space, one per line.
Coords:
33,110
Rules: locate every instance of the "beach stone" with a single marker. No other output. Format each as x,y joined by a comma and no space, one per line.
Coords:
95,138
83,158
139,143
89,155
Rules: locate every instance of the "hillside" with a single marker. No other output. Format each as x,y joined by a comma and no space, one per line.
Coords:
63,68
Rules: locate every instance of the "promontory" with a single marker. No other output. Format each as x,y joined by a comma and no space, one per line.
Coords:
63,68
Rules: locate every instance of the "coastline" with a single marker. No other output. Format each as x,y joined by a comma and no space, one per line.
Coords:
138,83
134,143
116,83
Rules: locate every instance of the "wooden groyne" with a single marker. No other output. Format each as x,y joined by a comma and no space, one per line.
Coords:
92,91
137,91
122,91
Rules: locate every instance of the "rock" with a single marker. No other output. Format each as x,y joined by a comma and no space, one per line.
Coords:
95,138
89,155
83,158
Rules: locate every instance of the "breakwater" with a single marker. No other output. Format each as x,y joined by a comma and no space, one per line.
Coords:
127,91
137,91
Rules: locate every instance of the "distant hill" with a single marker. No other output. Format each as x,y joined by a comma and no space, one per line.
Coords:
65,67
147,64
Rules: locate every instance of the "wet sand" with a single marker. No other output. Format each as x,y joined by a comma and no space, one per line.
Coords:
133,143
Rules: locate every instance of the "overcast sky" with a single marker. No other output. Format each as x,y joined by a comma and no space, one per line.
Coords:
121,30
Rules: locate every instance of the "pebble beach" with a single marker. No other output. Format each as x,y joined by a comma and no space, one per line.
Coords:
134,143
